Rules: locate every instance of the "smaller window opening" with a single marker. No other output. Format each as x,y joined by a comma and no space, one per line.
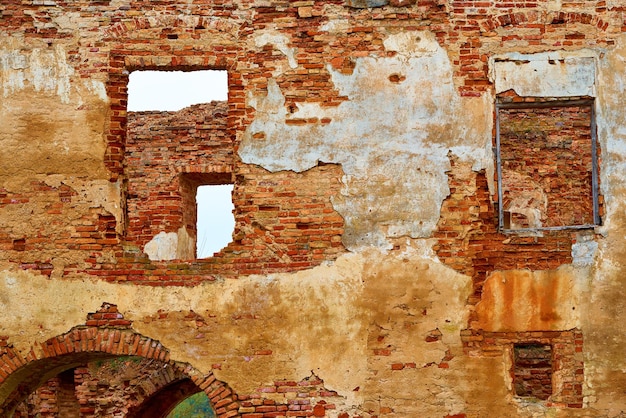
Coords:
208,211
532,370
215,221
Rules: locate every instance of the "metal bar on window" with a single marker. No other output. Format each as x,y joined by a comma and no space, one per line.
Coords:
594,168
549,103
499,171
550,228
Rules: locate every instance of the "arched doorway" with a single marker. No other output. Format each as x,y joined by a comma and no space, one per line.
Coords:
75,350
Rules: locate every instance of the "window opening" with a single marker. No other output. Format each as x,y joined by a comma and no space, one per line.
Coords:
532,370
206,198
215,227
175,90
547,165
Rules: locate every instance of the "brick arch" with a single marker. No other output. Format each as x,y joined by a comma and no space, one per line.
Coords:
125,28
20,376
530,17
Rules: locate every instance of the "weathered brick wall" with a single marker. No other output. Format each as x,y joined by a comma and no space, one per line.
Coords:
284,221
80,215
470,30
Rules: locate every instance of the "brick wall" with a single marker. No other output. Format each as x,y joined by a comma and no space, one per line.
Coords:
469,30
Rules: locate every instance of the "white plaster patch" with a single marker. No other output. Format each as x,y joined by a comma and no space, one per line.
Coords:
100,193
45,70
170,246
162,246
549,74
411,44
392,138
98,88
336,26
584,250
280,42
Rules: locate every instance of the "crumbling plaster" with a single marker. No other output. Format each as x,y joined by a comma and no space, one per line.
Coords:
605,366
391,138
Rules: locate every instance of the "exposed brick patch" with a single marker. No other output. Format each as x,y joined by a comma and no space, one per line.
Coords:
469,241
566,358
304,398
107,316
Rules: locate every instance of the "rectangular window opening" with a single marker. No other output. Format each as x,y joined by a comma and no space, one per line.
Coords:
547,165
216,223
174,90
532,370
203,222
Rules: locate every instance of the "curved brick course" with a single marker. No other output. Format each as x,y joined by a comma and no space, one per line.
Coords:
111,337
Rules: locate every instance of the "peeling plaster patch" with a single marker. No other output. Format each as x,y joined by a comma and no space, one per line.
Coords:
422,248
162,246
412,44
407,298
392,139
584,250
280,42
610,122
336,26
170,246
45,70
100,193
323,298
98,88
549,74
554,5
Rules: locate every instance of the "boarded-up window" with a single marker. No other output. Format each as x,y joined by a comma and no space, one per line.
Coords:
532,370
547,165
